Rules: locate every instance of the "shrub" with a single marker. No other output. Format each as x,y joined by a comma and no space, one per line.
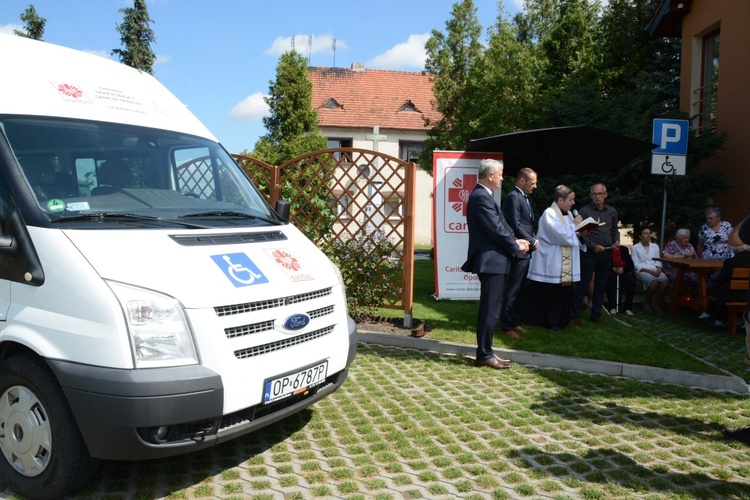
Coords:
369,263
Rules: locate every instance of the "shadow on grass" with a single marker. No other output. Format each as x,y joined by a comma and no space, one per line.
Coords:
166,477
619,475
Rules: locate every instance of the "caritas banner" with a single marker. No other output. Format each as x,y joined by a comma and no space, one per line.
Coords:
454,175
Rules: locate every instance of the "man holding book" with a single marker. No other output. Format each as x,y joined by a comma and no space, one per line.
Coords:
556,264
596,261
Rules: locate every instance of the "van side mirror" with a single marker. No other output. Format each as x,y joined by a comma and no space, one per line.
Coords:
16,246
283,208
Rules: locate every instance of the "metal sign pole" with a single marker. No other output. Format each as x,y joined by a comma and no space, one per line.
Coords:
663,215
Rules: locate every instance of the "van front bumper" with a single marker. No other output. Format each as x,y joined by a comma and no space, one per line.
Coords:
162,412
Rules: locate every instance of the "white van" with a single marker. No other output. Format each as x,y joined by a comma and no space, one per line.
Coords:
151,302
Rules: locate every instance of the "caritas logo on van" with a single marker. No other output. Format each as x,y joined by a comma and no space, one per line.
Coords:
71,93
290,265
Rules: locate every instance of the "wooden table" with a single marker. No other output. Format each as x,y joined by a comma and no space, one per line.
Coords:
700,267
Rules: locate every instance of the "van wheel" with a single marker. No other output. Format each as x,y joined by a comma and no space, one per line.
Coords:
45,456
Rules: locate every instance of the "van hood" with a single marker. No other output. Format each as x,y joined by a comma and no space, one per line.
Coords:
200,269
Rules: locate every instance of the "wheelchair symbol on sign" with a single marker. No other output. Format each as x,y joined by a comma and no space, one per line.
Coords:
240,270
667,166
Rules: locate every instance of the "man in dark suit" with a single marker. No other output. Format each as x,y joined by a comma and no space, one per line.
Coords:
520,215
491,246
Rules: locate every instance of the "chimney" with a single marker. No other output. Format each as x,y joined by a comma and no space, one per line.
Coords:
358,67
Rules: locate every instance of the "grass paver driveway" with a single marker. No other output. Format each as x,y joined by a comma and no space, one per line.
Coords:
411,424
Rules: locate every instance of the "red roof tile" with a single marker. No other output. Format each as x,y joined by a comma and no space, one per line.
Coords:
372,97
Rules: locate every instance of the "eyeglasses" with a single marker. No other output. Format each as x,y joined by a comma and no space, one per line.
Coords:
598,194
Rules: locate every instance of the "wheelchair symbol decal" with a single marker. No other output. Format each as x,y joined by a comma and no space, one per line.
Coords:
667,167
240,270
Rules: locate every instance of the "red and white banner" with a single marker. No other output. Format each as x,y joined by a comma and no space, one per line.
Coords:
454,175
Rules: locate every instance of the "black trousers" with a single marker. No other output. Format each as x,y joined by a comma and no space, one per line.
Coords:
511,316
490,305
596,265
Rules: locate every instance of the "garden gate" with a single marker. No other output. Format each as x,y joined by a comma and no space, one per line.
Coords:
341,194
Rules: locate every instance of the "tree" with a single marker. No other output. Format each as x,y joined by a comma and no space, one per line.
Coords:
449,59
292,130
292,126
136,36
34,25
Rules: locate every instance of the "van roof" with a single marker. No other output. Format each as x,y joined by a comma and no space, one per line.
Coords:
43,79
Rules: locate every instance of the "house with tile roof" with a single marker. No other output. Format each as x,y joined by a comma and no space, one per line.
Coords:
382,111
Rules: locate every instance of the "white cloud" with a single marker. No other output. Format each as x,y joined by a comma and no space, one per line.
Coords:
162,58
8,29
320,43
251,107
407,55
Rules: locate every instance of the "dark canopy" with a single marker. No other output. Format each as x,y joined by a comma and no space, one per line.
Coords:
563,150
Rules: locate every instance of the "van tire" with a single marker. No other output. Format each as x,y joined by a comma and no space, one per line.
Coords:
33,407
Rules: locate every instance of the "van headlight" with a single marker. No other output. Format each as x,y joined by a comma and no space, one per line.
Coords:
159,331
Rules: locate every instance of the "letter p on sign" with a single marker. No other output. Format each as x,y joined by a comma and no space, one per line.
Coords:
671,136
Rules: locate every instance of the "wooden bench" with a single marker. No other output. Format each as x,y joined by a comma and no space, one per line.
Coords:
740,281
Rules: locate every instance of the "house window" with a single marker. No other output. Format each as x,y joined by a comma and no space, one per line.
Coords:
332,103
409,106
410,150
344,207
393,208
709,90
338,142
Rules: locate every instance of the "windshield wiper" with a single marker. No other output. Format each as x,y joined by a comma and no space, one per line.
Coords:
228,213
113,216
100,216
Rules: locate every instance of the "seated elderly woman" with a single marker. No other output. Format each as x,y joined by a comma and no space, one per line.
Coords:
648,271
680,247
713,239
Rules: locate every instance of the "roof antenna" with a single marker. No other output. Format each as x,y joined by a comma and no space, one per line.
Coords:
309,48
334,52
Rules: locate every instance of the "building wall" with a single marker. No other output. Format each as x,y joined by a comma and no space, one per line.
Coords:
390,146
733,113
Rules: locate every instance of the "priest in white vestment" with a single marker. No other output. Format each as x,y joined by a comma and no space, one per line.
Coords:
555,266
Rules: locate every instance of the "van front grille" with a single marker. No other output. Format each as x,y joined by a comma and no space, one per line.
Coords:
270,303
258,350
264,326
238,331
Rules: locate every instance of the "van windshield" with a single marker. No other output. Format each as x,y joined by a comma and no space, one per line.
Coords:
81,170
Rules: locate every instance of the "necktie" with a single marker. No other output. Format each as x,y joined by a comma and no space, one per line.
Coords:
528,205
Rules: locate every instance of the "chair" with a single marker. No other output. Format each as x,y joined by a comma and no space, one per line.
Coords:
740,281
113,175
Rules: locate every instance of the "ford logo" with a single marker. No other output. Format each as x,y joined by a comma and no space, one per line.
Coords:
296,322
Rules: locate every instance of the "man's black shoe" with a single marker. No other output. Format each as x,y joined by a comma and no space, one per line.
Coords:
742,435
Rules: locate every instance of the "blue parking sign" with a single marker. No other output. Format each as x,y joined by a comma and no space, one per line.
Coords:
671,136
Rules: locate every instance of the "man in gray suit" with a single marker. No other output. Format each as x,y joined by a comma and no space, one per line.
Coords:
491,246
520,215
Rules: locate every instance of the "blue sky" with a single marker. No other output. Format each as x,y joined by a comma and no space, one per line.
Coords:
219,56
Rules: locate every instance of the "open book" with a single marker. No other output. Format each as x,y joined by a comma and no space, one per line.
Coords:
588,224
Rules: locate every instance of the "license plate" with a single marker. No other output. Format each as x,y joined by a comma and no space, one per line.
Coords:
294,383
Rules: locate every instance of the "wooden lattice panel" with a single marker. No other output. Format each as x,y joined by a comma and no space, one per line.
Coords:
344,193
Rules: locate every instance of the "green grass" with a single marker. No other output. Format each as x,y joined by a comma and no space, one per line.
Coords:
455,321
